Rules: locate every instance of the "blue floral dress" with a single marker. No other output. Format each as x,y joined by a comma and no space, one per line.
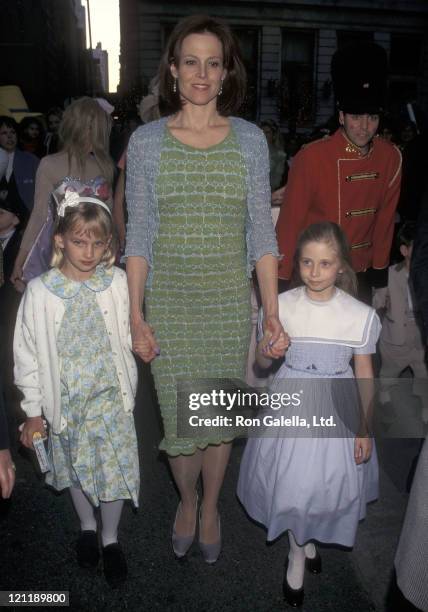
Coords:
97,450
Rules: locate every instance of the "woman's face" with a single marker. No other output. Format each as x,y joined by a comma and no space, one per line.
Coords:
53,123
33,131
200,70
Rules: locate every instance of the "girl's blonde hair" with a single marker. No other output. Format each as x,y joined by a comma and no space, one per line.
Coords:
85,127
86,219
331,234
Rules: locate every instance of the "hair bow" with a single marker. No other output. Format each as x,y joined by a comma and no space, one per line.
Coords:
72,199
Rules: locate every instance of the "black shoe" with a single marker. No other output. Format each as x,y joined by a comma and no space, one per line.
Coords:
115,567
87,550
294,597
314,565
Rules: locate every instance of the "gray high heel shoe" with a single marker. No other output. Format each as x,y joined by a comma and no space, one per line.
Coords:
182,544
210,552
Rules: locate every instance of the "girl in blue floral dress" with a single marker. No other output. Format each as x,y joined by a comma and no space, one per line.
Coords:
74,365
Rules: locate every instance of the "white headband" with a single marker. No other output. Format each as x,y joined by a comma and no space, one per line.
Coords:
72,199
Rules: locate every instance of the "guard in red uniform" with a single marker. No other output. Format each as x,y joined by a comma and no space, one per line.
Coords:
352,177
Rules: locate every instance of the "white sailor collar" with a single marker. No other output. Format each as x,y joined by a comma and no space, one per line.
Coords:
307,320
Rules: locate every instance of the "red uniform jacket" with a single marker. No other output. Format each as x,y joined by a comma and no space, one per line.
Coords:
330,180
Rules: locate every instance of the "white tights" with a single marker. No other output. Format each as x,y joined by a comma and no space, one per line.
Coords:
296,561
110,515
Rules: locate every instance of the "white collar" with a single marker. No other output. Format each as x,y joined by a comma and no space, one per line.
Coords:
306,320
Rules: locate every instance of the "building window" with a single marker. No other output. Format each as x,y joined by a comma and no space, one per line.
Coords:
297,77
406,55
352,37
249,44
405,66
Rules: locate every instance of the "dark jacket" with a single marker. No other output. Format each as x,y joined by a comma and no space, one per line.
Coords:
24,169
4,435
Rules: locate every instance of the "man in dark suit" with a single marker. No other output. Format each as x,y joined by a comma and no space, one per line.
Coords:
20,177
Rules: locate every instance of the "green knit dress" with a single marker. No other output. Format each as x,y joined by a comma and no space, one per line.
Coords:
199,301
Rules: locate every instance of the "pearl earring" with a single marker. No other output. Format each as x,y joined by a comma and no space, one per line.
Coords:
220,91
174,86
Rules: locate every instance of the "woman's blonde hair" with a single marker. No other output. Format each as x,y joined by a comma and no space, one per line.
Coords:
85,219
85,127
333,235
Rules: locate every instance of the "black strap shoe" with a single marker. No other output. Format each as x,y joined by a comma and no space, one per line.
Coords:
115,567
87,550
294,597
314,565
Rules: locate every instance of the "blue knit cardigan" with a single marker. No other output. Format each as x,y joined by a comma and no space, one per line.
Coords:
143,160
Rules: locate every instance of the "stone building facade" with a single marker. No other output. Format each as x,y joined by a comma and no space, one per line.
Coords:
43,50
287,47
100,60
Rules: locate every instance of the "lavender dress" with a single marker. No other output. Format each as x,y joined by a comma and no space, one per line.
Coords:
310,485
39,257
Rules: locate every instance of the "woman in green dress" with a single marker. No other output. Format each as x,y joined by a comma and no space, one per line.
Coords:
199,221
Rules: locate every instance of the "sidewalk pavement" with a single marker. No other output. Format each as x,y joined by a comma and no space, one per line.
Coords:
37,544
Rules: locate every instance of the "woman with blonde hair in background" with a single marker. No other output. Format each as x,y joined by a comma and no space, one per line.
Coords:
83,165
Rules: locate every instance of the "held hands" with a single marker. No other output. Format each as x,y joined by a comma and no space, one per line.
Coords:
275,340
277,196
7,473
362,450
143,340
30,427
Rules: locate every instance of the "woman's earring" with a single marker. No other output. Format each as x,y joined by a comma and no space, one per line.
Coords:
220,91
174,86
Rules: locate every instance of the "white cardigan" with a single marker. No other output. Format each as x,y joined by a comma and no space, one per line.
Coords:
37,364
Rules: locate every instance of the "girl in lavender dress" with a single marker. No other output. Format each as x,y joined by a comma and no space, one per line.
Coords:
316,486
83,165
